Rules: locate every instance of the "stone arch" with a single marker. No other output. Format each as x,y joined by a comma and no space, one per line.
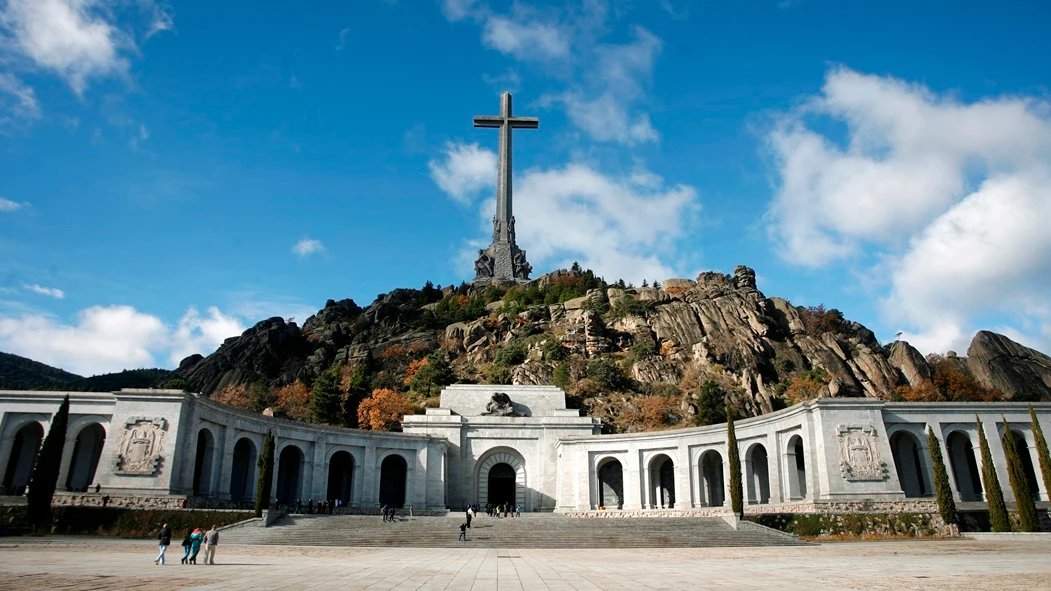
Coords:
713,488
242,470
964,466
908,460
289,474
797,484
394,474
507,463
204,461
84,461
662,482
24,448
611,483
758,473
340,477
1027,463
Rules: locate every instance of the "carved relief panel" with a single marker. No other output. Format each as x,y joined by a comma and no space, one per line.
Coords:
139,452
859,453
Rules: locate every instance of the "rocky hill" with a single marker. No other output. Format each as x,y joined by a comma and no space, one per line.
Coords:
639,358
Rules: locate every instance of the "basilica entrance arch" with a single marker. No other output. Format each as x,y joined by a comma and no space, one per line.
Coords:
502,479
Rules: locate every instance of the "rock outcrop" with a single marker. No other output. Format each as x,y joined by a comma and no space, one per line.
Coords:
1000,363
718,327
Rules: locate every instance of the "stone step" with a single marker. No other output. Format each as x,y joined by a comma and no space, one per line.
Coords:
533,531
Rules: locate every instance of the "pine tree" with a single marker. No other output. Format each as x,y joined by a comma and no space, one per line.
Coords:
1041,450
326,400
266,475
356,387
994,496
45,472
946,504
734,461
1027,519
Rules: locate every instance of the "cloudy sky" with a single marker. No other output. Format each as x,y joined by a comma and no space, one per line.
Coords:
172,173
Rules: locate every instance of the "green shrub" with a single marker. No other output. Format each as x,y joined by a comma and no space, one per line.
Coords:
608,375
511,354
554,350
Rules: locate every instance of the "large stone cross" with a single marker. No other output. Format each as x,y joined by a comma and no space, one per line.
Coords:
504,260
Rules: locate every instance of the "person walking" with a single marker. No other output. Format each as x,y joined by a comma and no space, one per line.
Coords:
164,539
187,542
470,515
384,510
518,510
211,540
195,544
463,532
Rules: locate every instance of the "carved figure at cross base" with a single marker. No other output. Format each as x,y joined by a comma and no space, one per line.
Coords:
503,260
500,405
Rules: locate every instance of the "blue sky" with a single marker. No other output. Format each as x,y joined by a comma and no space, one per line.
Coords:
172,173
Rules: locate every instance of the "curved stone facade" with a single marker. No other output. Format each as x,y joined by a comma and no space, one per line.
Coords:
534,452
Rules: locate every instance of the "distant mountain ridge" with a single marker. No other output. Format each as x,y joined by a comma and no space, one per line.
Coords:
21,373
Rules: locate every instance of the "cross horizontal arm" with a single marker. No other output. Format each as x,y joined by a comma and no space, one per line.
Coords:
489,121
524,122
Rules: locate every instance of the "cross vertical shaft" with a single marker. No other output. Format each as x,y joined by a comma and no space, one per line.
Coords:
503,259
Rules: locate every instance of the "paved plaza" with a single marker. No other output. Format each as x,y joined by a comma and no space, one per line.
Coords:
921,565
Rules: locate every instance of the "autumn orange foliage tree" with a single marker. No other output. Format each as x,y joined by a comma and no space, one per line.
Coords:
950,384
293,401
383,410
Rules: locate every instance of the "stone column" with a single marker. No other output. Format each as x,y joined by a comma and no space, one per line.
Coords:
647,487
319,470
226,456
630,482
370,483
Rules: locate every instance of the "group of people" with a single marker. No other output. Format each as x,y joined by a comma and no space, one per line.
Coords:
503,509
191,544
324,506
491,510
390,514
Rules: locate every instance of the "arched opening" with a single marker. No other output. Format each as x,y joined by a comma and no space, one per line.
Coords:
340,477
501,484
712,484
393,472
518,484
796,469
758,475
23,457
288,474
662,482
908,461
611,484
202,467
242,471
87,449
964,466
1027,464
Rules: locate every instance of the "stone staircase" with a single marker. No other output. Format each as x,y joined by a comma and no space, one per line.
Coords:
528,531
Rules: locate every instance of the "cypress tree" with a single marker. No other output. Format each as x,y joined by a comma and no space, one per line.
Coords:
946,504
1041,450
266,475
45,472
734,461
1027,519
994,497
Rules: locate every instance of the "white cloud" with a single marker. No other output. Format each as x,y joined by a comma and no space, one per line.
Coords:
8,205
621,227
50,292
77,39
18,104
525,40
104,339
307,247
949,197
342,39
603,84
201,334
466,170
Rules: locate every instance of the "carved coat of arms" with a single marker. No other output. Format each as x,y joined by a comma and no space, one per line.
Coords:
859,453
140,447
